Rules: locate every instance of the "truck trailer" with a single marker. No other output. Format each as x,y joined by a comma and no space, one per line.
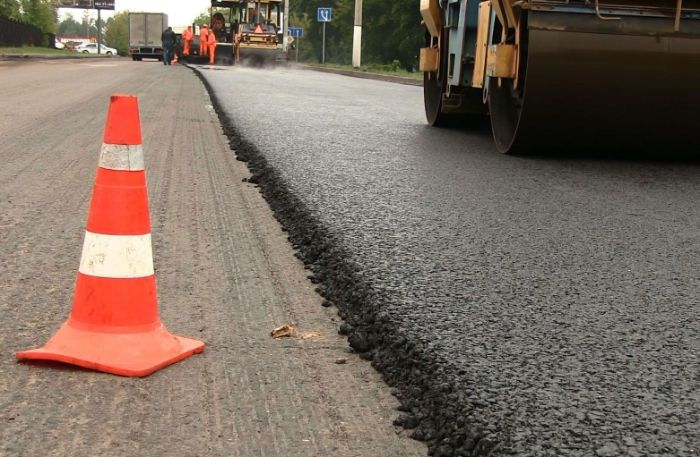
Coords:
145,30
589,75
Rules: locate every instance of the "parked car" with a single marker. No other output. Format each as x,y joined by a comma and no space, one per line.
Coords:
91,48
71,45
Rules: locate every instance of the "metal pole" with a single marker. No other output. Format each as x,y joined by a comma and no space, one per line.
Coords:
679,10
285,26
99,31
357,36
323,52
297,50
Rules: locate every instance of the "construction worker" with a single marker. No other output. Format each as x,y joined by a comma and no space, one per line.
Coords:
203,39
169,39
211,41
187,38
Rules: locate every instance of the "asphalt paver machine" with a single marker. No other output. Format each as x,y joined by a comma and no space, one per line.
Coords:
597,74
248,32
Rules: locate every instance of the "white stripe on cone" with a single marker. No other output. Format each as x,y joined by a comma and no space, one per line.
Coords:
122,157
117,256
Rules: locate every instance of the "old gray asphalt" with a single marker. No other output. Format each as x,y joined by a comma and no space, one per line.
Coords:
226,274
556,299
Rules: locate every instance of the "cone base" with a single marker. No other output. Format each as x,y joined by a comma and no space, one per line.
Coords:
124,354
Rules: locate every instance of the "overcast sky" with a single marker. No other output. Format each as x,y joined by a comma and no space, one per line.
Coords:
180,12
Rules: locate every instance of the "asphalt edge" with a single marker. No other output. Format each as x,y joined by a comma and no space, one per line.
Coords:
435,410
360,74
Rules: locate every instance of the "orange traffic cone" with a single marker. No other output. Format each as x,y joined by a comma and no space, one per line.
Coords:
114,325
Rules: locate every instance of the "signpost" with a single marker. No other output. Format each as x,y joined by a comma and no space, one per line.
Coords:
324,15
285,26
297,33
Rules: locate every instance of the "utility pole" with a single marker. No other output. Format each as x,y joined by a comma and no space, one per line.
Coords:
99,31
357,36
86,19
285,26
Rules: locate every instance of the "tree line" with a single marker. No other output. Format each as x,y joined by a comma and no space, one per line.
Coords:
391,31
39,13
43,14
391,34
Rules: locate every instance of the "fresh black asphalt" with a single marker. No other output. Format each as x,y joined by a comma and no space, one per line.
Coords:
520,306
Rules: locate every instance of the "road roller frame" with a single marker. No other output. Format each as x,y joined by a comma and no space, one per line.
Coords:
246,38
477,51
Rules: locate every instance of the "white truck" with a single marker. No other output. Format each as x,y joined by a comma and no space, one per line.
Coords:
145,30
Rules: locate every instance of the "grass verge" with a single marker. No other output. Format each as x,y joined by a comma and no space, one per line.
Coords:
36,51
390,70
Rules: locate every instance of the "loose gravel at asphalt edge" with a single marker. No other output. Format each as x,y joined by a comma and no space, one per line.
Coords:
435,409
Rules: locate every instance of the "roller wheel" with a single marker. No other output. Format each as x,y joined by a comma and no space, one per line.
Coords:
434,84
506,102
505,107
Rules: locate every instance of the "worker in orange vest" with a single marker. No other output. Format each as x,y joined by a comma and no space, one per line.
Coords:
211,41
203,39
187,37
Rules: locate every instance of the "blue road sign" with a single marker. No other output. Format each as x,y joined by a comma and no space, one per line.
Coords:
296,32
325,14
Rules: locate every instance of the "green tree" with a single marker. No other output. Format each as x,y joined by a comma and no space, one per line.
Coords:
70,27
11,9
338,32
41,14
117,34
203,18
87,26
391,31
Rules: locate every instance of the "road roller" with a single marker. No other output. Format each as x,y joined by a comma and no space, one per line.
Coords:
560,75
259,39
247,31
